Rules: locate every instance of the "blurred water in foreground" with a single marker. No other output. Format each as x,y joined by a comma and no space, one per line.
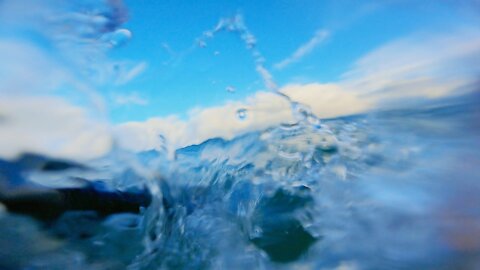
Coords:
393,188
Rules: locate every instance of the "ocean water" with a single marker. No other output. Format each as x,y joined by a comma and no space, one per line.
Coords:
393,188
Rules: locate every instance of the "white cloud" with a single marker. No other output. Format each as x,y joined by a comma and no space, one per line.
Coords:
421,65
264,109
52,127
432,67
141,136
328,100
205,123
304,49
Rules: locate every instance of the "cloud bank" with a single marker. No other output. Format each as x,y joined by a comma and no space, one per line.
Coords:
52,127
418,66
422,65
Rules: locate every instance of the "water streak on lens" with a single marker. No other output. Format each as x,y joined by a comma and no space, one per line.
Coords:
242,113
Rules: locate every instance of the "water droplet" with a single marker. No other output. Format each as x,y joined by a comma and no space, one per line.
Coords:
208,34
230,89
257,232
242,113
328,142
303,114
250,40
231,27
340,171
119,38
314,121
201,44
98,243
300,111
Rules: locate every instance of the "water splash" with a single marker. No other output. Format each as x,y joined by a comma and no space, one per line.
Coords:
118,38
202,44
242,114
302,113
230,89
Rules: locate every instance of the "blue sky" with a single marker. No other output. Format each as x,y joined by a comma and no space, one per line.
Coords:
78,78
177,78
